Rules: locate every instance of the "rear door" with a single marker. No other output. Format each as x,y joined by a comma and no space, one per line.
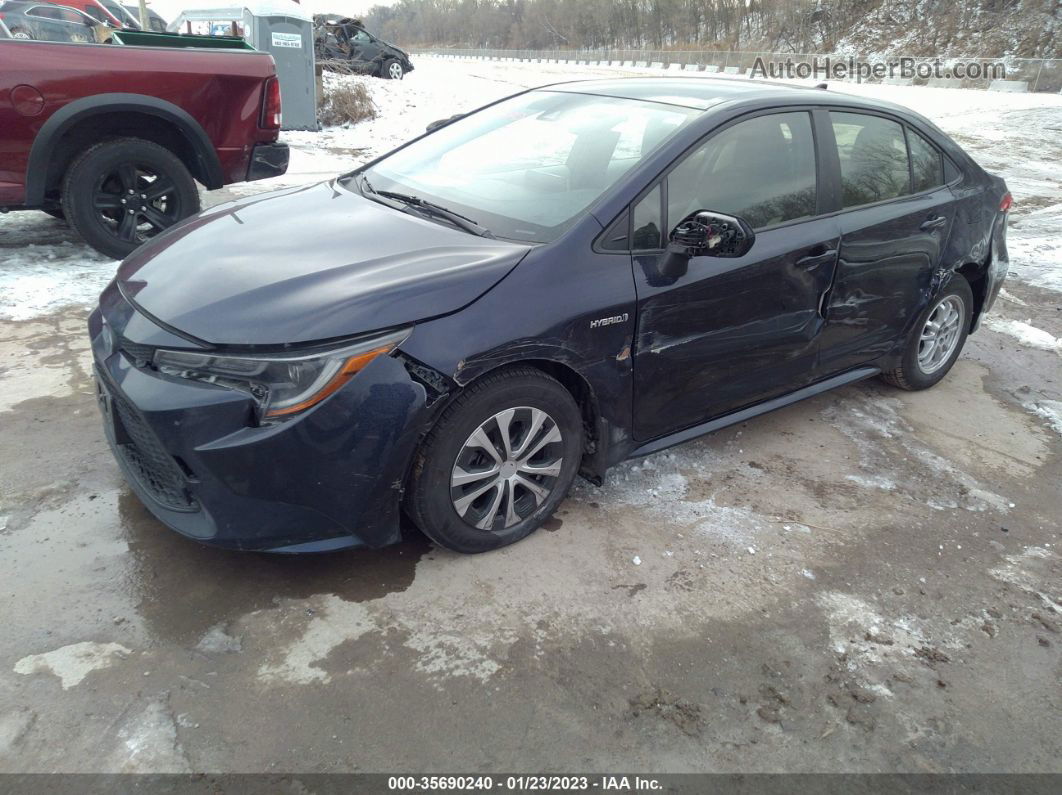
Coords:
896,216
732,332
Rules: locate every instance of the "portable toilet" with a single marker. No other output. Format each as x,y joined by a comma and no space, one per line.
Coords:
284,30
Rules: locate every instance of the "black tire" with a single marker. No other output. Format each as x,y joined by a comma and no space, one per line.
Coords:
125,170
20,33
430,498
392,69
910,375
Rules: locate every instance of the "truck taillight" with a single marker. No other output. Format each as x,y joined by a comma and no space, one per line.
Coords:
271,105
1006,203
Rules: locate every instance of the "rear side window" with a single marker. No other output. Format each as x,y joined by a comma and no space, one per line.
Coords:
762,169
873,155
927,166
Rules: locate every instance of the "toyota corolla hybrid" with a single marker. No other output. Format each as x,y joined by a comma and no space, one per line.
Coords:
559,281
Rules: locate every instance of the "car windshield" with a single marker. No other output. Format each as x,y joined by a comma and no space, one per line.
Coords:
527,167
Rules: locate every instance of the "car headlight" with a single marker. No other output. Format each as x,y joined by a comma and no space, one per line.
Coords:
282,385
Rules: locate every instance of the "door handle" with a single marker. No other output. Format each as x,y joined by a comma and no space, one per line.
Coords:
813,261
933,223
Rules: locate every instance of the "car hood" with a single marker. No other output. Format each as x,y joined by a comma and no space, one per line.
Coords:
307,264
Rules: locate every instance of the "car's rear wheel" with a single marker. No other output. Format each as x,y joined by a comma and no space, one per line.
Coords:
936,340
498,463
20,33
392,69
122,192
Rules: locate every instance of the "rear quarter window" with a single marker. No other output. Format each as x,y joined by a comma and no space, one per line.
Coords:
927,164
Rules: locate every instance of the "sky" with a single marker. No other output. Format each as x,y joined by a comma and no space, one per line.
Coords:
354,8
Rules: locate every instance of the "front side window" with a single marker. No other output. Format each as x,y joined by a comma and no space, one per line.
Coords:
927,167
873,155
762,169
528,167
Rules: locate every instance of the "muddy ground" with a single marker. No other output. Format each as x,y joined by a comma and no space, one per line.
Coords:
867,581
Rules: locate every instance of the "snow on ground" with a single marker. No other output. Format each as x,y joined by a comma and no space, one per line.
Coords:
1018,136
1025,333
1050,410
44,266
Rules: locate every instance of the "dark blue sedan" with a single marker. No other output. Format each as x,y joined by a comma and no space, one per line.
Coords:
545,287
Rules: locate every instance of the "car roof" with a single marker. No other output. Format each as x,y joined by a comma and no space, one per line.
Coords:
702,93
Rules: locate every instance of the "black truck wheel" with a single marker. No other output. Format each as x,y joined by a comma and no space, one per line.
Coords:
122,192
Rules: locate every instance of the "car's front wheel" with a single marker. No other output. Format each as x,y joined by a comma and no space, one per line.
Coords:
119,193
498,463
392,69
936,339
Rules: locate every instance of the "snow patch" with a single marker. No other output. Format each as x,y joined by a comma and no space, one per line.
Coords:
1050,410
1031,571
442,651
447,653
149,744
218,641
74,662
872,482
1025,333
656,486
44,267
334,622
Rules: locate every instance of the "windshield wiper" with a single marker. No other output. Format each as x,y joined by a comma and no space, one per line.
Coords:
429,208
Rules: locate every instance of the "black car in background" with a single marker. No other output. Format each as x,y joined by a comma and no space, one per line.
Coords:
46,22
346,40
564,279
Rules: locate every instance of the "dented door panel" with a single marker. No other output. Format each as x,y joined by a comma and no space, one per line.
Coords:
731,332
885,276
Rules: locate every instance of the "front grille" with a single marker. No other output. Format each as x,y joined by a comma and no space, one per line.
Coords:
149,462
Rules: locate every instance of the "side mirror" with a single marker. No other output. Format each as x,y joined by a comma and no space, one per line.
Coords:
706,233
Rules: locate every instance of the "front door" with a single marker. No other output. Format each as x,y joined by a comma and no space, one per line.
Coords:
363,47
732,332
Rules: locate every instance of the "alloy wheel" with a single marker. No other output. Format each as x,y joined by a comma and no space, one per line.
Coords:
507,468
941,334
135,202
395,70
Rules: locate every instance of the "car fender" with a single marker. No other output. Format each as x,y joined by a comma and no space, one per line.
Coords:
77,111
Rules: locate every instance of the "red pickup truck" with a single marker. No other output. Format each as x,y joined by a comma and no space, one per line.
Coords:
114,138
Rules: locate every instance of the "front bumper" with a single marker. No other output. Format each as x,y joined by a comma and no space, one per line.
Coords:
268,160
328,479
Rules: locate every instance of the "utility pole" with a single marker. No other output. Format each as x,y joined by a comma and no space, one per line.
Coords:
145,20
